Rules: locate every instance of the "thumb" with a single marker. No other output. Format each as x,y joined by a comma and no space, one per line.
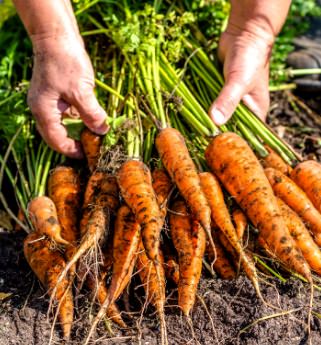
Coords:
225,104
93,115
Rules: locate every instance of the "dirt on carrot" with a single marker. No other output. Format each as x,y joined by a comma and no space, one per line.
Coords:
273,160
47,264
307,175
190,241
43,215
237,167
135,183
173,152
125,248
295,197
91,144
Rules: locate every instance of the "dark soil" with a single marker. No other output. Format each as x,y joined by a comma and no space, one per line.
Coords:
221,314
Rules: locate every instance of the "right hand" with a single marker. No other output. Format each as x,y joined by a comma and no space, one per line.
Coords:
63,77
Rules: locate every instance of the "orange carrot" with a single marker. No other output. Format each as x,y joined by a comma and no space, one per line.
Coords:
43,215
126,242
307,175
162,186
47,264
101,199
240,222
135,183
173,152
233,161
21,217
64,191
98,287
153,280
302,237
171,269
273,160
189,240
294,197
91,144
222,265
221,217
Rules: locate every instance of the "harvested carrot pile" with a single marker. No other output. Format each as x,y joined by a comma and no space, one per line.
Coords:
165,198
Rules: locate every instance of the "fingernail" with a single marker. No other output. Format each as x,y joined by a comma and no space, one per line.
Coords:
218,117
102,129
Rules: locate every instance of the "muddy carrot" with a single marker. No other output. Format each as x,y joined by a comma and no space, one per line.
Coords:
91,144
171,269
307,175
190,241
153,280
240,222
125,248
98,287
43,215
222,265
221,217
173,152
233,161
294,197
135,183
162,186
302,237
47,264
64,191
273,160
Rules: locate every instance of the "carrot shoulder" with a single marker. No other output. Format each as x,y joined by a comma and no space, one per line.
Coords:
237,167
294,197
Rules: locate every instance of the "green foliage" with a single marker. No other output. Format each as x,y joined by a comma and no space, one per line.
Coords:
15,68
297,23
211,17
7,10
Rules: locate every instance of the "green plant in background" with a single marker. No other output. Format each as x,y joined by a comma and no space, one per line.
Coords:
297,23
6,10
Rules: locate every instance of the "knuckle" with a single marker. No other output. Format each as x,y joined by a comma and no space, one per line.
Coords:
81,92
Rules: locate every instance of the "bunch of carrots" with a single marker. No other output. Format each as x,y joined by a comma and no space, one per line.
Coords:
211,200
122,217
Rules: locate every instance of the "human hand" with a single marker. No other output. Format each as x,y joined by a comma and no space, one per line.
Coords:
63,77
245,48
246,71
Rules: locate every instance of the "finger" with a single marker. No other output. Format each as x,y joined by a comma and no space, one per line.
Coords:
226,102
93,115
53,132
258,99
257,105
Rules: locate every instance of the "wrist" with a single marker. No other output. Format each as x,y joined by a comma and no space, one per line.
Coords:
48,42
260,18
